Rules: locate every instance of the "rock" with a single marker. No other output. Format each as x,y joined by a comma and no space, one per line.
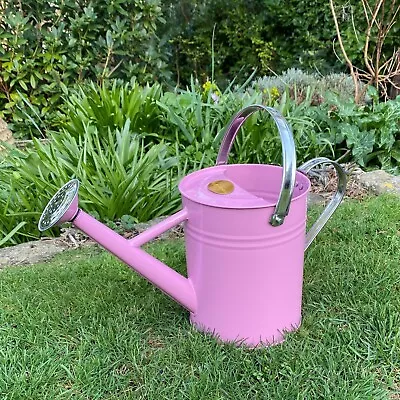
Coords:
173,233
380,182
30,252
5,134
143,226
315,199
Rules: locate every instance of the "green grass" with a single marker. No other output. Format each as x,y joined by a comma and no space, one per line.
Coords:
86,327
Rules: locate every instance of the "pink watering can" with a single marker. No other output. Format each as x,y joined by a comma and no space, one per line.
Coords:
245,233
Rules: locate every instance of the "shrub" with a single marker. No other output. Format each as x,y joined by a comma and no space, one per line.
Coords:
240,39
15,221
298,82
109,107
48,46
371,132
263,34
119,175
130,167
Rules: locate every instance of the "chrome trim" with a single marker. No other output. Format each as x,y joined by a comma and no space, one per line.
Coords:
288,155
335,201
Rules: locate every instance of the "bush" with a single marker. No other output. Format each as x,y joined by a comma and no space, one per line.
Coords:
265,35
119,175
299,82
109,107
48,46
130,145
371,132
240,40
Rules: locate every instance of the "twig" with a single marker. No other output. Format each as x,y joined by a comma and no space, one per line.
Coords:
348,61
343,156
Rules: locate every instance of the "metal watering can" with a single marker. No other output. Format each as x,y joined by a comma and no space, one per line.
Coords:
245,233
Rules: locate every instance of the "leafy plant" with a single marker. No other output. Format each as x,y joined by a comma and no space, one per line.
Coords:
371,131
236,28
17,214
120,176
48,46
265,35
299,82
130,145
109,107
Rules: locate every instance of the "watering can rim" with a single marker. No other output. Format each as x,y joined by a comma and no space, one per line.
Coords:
224,205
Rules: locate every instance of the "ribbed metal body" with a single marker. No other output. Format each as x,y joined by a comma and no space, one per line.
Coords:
246,273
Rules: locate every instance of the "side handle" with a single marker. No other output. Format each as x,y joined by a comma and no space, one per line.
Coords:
335,201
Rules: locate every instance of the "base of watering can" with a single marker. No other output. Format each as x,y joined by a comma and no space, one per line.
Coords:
255,342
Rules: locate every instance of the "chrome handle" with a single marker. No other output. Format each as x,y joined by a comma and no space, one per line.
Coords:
288,155
335,201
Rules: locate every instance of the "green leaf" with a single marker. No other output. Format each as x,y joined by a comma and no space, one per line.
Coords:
362,143
33,82
23,85
12,233
109,40
64,88
9,105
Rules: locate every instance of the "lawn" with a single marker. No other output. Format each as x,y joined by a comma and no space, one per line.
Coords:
84,326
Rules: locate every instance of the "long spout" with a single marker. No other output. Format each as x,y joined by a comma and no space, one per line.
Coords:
63,207
162,276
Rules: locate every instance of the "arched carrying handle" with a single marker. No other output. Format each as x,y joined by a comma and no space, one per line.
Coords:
288,156
335,201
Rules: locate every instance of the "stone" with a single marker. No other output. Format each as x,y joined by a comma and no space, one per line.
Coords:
315,199
380,182
30,252
5,134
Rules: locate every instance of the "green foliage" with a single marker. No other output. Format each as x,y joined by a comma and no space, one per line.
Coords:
239,38
15,223
371,131
353,23
119,176
48,46
129,145
264,34
110,107
298,82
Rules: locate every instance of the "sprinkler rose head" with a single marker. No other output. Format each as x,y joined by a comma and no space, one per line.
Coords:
62,207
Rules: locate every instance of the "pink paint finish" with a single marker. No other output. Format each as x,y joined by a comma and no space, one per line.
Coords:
71,212
247,274
244,250
165,278
244,276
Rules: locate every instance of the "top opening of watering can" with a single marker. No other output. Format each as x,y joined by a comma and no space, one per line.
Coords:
250,186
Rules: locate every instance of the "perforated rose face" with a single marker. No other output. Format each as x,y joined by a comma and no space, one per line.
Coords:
58,205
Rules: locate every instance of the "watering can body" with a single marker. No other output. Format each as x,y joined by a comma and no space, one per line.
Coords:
245,235
246,273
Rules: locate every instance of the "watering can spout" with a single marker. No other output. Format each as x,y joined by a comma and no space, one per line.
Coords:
63,207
